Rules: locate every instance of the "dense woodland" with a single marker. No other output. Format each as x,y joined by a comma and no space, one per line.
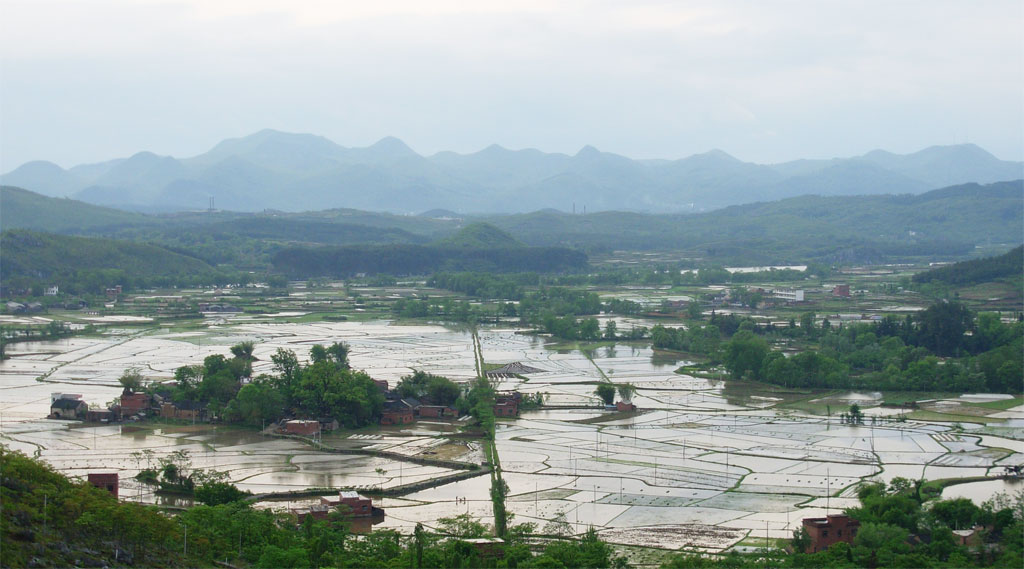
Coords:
1008,265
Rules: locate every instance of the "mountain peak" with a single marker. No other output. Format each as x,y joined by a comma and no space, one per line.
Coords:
588,151
392,145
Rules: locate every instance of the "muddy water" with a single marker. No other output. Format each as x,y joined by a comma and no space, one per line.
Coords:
696,454
979,492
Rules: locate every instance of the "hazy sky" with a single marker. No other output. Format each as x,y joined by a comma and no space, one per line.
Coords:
766,81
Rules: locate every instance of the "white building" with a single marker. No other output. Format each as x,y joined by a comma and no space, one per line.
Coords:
790,294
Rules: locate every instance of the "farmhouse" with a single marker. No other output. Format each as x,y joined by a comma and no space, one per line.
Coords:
399,412
303,428
832,529
359,506
507,405
68,407
134,403
104,481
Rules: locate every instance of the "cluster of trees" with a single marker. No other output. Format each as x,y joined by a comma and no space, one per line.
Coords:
174,473
507,286
1010,264
429,388
451,310
697,339
607,391
983,353
325,387
551,309
52,521
405,259
896,355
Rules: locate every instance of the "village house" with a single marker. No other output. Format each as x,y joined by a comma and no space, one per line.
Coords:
184,411
134,403
828,530
361,513
436,411
100,416
104,481
507,404
841,291
623,406
359,506
68,407
399,412
114,292
302,428
487,547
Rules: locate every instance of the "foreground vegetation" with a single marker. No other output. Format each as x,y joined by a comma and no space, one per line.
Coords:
51,521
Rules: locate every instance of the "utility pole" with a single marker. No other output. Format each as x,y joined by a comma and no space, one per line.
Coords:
828,490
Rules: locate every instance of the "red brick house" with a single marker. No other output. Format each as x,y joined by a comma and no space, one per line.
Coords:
507,404
832,529
302,428
623,406
134,403
185,411
436,411
399,412
104,481
360,506
842,291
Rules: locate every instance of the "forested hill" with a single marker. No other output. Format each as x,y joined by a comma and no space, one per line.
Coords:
948,221
21,208
944,223
479,236
92,264
1010,264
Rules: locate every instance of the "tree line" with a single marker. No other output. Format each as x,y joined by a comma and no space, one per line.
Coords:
943,348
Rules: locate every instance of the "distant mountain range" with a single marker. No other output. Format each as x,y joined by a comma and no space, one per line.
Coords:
303,172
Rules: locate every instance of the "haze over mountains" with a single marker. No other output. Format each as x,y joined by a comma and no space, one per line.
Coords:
300,172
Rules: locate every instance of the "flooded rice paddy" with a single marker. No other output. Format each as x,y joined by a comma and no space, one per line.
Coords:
699,465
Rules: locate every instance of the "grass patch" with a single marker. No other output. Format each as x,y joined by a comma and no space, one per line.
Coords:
1002,404
951,417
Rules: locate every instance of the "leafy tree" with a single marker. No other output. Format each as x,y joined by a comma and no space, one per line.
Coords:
626,391
256,403
941,327
610,330
436,389
606,391
131,380
745,354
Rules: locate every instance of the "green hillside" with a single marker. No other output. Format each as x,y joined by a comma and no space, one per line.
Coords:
22,209
88,264
479,236
1007,265
945,222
